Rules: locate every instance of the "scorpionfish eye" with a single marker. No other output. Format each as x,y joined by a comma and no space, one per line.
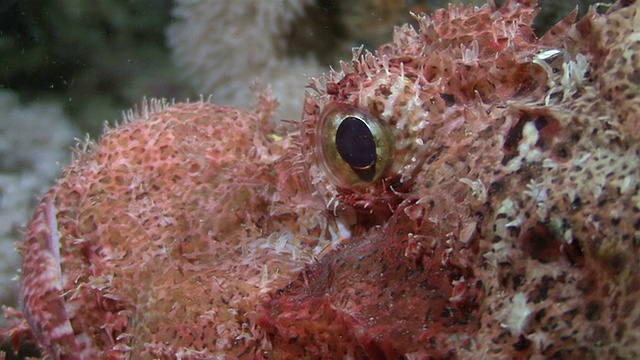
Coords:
354,148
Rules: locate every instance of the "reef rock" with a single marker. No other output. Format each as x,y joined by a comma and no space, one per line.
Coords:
468,191
35,140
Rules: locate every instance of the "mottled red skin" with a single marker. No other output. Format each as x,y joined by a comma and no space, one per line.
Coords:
361,295
409,286
506,225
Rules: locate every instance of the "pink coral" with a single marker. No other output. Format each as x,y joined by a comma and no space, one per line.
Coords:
503,223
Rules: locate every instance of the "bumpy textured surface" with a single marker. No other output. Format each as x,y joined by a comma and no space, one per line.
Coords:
505,226
175,216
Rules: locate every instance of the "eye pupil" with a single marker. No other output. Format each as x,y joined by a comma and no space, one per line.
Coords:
355,143
353,148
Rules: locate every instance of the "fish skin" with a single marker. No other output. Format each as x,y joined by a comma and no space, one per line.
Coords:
505,225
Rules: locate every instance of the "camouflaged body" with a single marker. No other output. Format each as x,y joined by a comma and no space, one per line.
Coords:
506,225
516,174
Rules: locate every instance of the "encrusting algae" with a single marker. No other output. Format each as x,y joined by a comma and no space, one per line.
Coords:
468,191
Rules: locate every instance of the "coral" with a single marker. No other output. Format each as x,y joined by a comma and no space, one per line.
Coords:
205,33
34,144
502,224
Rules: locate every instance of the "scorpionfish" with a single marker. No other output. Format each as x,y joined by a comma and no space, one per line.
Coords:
469,190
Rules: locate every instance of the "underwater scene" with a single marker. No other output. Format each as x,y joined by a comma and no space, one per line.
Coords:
304,179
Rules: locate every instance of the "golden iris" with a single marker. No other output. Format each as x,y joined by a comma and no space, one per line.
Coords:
354,148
